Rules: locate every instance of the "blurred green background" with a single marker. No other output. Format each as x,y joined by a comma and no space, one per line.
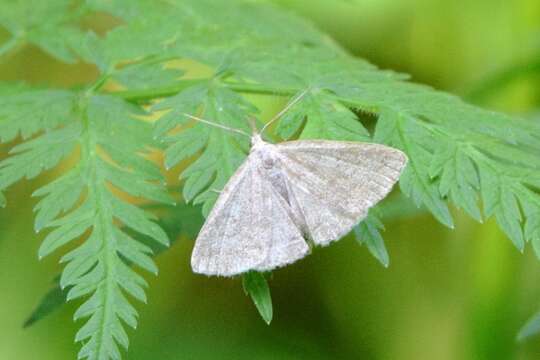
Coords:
460,294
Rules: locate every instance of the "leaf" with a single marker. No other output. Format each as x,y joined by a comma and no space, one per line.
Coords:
368,233
111,52
256,287
531,328
33,157
54,299
81,202
25,21
147,75
458,178
29,111
221,152
500,200
415,181
176,221
326,118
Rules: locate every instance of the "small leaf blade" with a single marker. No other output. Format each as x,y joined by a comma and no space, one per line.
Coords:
530,329
368,233
256,286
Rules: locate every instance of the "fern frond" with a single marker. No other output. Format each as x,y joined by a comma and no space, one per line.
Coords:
176,221
221,152
147,75
256,287
415,182
26,112
460,153
25,21
97,268
325,118
368,233
87,202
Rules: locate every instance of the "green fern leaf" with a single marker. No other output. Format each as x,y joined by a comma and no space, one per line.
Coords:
458,178
84,201
176,221
531,328
52,300
368,233
97,267
256,286
500,201
326,118
25,21
139,64
403,133
27,112
147,75
33,157
458,152
221,152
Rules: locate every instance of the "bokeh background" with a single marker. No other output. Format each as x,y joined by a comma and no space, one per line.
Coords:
448,294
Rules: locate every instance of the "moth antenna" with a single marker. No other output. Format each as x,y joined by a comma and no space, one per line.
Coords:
215,124
285,109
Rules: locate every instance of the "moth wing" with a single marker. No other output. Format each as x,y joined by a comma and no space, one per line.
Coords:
334,183
249,228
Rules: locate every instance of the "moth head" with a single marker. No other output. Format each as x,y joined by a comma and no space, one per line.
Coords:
256,141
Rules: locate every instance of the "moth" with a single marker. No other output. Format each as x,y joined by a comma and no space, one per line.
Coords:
288,196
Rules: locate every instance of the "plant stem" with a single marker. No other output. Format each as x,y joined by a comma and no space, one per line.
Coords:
98,84
499,80
154,93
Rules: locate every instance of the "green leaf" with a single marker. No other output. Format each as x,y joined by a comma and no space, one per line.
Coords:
256,287
403,133
530,329
112,143
147,75
221,152
500,200
326,118
31,158
458,178
49,25
111,52
53,299
180,220
29,111
368,233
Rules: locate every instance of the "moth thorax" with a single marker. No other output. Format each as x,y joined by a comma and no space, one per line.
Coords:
268,162
265,154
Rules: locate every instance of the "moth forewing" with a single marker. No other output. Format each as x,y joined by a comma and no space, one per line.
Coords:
335,183
320,189
249,228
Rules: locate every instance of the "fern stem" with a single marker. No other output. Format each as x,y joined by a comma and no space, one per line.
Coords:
95,185
100,82
166,91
